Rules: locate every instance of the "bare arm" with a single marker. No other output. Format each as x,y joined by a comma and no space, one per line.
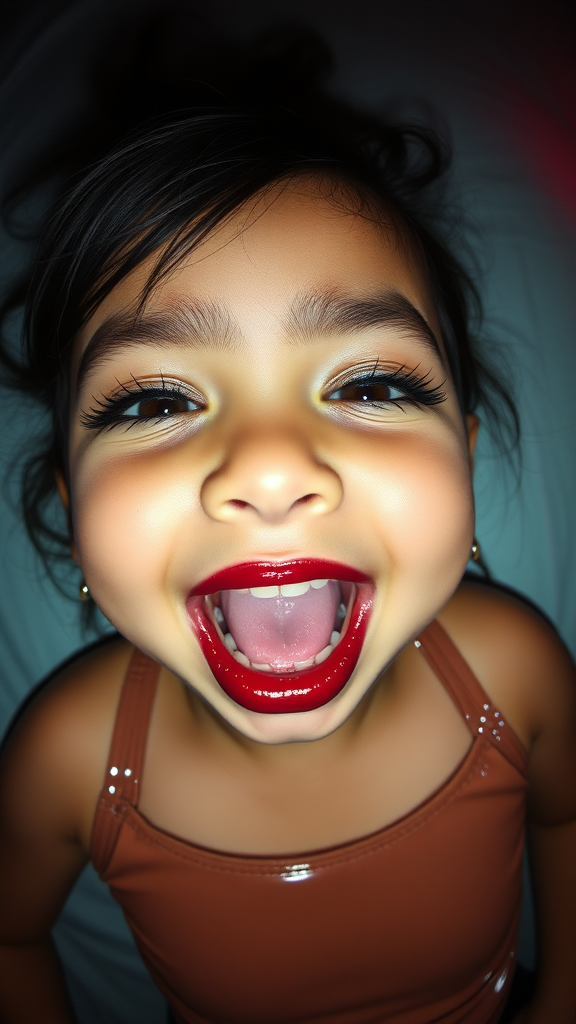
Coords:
33,986
39,862
552,839
553,856
50,775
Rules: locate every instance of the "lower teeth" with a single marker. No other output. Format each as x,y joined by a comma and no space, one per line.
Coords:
299,665
323,654
241,658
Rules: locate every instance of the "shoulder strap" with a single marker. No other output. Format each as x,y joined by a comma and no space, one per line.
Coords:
126,755
474,704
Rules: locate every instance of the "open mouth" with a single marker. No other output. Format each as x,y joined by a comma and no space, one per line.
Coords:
282,637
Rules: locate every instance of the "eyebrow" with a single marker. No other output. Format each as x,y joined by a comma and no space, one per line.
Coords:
205,324
324,314
198,324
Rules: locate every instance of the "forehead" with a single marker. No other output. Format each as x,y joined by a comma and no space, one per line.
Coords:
298,240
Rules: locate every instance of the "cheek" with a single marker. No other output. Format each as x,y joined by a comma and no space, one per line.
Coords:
422,507
127,515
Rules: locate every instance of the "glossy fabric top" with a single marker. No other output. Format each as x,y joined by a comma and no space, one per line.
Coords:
412,924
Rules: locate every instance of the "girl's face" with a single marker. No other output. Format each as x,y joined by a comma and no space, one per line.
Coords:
283,403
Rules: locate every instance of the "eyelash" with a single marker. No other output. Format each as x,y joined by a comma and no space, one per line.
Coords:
111,409
110,412
417,390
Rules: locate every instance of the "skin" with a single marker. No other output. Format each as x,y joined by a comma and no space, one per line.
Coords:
199,492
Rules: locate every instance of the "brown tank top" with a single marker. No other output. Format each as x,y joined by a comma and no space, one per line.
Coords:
413,924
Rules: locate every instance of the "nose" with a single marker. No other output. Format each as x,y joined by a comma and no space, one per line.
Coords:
270,478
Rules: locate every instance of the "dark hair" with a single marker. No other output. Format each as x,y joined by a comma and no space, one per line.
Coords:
166,184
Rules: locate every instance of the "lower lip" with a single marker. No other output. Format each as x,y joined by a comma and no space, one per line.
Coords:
282,694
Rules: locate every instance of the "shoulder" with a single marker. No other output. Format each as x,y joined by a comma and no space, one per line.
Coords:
503,627
524,666
513,650
55,754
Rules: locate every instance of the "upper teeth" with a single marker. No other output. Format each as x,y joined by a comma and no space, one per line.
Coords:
285,590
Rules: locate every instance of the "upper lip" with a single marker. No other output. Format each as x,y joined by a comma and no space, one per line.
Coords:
258,574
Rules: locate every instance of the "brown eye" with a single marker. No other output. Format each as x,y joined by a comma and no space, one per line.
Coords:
159,406
366,392
156,408
140,405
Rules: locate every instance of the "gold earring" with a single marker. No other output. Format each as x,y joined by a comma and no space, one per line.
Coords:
83,591
475,550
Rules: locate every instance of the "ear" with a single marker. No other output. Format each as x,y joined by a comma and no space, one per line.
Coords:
472,426
65,499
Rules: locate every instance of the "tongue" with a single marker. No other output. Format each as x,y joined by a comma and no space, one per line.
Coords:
278,631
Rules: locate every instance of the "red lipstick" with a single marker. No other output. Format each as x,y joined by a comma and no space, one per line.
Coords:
288,691
268,574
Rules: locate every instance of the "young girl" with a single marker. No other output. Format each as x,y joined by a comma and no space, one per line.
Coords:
302,764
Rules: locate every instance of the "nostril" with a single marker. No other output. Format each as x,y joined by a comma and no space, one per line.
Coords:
270,484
